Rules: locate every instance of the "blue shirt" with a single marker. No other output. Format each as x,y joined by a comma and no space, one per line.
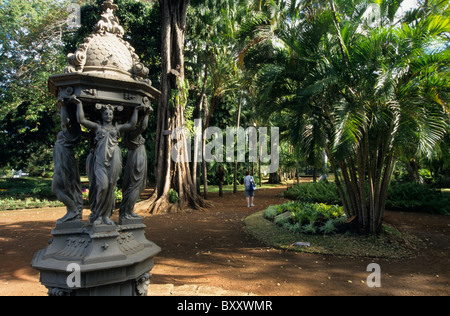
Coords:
248,180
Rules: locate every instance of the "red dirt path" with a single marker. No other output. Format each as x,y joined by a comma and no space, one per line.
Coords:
211,248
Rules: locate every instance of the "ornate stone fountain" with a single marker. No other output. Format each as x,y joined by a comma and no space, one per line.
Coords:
105,90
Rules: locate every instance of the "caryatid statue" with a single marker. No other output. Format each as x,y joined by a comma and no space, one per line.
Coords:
66,178
104,81
106,163
135,178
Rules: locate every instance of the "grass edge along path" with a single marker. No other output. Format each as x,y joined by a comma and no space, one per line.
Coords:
392,244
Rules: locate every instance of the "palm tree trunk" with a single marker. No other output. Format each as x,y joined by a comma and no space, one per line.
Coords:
237,141
198,116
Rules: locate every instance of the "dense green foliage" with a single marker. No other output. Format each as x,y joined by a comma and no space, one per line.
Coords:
26,187
173,196
26,193
35,192
360,81
30,51
417,198
320,192
407,197
307,218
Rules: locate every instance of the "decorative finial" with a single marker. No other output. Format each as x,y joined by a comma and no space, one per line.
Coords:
106,49
109,4
109,22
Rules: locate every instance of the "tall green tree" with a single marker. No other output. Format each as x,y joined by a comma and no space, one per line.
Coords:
30,51
212,64
363,85
171,175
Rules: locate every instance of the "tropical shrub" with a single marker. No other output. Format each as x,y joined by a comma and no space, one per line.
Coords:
118,195
402,196
26,203
319,192
307,218
362,82
173,196
417,197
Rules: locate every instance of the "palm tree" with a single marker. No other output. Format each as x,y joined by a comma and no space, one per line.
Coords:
213,26
362,86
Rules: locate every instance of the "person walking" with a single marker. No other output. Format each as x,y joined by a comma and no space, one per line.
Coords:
249,183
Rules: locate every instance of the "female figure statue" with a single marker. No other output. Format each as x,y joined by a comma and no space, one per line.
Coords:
135,179
106,162
66,179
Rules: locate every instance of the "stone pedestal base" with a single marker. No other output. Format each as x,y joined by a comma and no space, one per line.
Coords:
86,260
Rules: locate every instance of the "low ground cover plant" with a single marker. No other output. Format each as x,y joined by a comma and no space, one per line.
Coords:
35,192
27,203
308,218
391,244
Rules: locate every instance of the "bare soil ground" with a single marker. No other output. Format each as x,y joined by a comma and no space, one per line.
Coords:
211,248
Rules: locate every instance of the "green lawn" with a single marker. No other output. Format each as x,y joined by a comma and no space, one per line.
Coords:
25,187
391,244
25,193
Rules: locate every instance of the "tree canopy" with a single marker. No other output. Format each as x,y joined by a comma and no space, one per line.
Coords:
363,83
30,51
360,83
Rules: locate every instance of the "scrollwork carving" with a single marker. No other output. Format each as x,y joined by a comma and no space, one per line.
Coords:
109,23
139,70
142,284
54,291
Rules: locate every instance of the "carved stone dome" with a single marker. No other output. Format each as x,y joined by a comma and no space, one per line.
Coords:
106,52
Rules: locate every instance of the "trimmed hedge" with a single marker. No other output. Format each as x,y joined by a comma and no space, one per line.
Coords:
404,196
